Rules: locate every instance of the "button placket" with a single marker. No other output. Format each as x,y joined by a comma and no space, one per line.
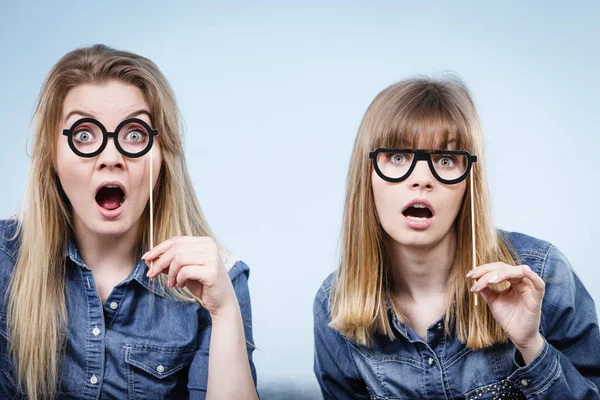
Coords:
113,304
95,346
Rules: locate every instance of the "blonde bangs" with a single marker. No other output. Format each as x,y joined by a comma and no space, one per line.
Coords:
428,121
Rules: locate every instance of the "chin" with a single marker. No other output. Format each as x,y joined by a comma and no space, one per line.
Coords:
416,243
103,227
416,238
110,228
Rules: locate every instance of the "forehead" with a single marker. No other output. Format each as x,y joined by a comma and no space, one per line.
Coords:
109,103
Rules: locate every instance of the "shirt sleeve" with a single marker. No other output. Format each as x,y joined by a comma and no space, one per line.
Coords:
198,374
568,367
334,367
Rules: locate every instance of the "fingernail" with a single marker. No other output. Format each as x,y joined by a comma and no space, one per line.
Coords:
527,268
474,287
170,284
470,274
494,279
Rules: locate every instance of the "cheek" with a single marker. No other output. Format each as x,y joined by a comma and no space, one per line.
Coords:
454,200
68,165
139,171
384,196
62,156
156,166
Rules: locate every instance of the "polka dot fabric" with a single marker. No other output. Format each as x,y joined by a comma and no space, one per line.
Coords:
503,390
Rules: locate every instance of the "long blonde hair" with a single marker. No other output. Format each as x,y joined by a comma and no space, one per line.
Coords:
413,111
36,309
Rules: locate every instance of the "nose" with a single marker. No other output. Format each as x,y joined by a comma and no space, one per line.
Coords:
110,157
421,177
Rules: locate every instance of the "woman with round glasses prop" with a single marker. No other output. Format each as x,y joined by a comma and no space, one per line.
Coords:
93,308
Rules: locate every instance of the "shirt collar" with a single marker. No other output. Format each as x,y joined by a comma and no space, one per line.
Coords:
138,274
72,253
400,327
403,328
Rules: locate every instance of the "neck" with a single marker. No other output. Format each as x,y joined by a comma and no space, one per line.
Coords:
421,273
106,252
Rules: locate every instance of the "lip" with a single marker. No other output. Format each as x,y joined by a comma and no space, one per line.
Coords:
422,201
416,224
419,224
112,183
110,214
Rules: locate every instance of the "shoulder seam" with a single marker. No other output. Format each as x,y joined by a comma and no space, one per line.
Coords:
545,259
541,274
541,254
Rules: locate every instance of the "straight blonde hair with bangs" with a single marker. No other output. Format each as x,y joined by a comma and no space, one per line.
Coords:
37,315
425,112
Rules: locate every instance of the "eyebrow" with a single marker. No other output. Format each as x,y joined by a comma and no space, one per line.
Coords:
88,115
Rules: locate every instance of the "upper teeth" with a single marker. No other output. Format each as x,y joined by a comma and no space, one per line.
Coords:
419,205
112,186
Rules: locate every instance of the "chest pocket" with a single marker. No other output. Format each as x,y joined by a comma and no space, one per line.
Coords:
503,389
156,372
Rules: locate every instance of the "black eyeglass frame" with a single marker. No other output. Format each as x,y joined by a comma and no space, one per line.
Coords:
423,155
114,135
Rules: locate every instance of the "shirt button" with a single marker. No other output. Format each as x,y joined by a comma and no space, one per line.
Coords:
160,369
525,382
96,331
431,360
114,305
440,326
93,379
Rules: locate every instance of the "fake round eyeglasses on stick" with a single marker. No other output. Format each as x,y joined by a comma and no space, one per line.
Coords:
133,137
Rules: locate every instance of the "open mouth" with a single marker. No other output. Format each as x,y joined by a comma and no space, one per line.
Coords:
418,211
110,197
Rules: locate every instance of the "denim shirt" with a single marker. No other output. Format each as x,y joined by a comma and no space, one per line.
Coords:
138,344
441,367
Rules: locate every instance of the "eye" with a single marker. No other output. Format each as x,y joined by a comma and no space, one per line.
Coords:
135,136
398,158
446,161
83,136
